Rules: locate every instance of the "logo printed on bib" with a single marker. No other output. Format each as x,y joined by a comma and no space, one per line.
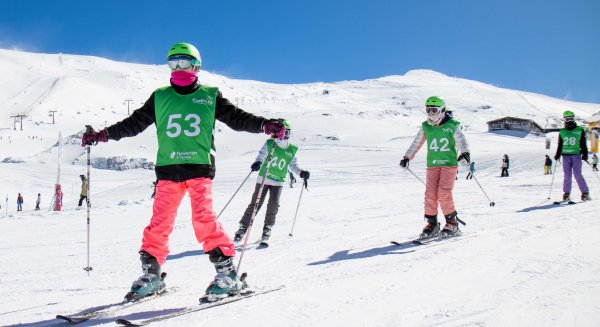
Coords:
187,155
202,101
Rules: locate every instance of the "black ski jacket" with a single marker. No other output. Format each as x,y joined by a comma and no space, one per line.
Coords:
226,112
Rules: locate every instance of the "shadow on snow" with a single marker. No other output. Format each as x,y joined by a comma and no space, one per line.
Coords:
185,254
345,255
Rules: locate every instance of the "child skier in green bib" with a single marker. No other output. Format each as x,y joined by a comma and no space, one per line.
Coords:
284,159
572,146
185,113
444,137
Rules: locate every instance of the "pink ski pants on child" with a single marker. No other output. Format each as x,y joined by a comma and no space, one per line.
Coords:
438,189
166,201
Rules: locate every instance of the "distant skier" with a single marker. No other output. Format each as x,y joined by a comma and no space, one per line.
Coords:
547,166
83,195
153,189
572,147
594,162
471,170
38,201
284,158
444,137
505,165
185,113
19,202
58,196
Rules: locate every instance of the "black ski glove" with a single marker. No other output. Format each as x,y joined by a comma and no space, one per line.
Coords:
584,157
404,162
464,158
305,174
557,157
256,166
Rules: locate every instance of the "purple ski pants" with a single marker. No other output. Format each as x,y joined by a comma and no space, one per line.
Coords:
572,166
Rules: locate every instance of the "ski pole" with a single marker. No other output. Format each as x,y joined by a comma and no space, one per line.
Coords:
88,268
417,177
255,210
234,194
298,206
492,203
595,173
552,182
422,182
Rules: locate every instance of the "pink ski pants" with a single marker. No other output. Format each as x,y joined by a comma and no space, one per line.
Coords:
438,189
166,201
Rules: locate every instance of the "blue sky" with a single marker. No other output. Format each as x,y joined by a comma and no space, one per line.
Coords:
550,47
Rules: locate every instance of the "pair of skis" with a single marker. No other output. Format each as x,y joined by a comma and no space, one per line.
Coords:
564,202
113,308
196,308
427,240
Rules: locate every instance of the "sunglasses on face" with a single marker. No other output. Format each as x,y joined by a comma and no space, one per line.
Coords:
181,61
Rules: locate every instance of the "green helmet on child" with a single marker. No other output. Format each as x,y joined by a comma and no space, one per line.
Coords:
569,116
435,107
183,48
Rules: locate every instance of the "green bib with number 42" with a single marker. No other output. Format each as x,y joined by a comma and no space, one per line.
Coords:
278,165
570,140
184,125
441,149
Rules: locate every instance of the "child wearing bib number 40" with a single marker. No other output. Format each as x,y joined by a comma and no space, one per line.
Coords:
443,136
284,159
185,113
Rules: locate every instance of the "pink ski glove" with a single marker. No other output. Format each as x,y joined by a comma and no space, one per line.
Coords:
91,137
274,127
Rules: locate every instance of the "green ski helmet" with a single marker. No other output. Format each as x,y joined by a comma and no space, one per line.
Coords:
434,107
435,101
183,48
568,113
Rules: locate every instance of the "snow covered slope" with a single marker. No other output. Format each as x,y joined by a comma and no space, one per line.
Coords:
523,262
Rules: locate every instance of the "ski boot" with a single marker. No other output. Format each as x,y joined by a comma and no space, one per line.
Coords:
432,228
150,283
451,227
567,197
585,197
226,282
240,233
266,234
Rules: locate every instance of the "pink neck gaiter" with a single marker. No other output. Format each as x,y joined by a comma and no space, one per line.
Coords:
182,78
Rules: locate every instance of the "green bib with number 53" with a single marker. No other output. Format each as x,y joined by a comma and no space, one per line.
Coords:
278,165
441,149
570,140
184,125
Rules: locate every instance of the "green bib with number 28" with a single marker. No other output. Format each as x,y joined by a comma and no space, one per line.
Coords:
570,140
441,149
184,125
